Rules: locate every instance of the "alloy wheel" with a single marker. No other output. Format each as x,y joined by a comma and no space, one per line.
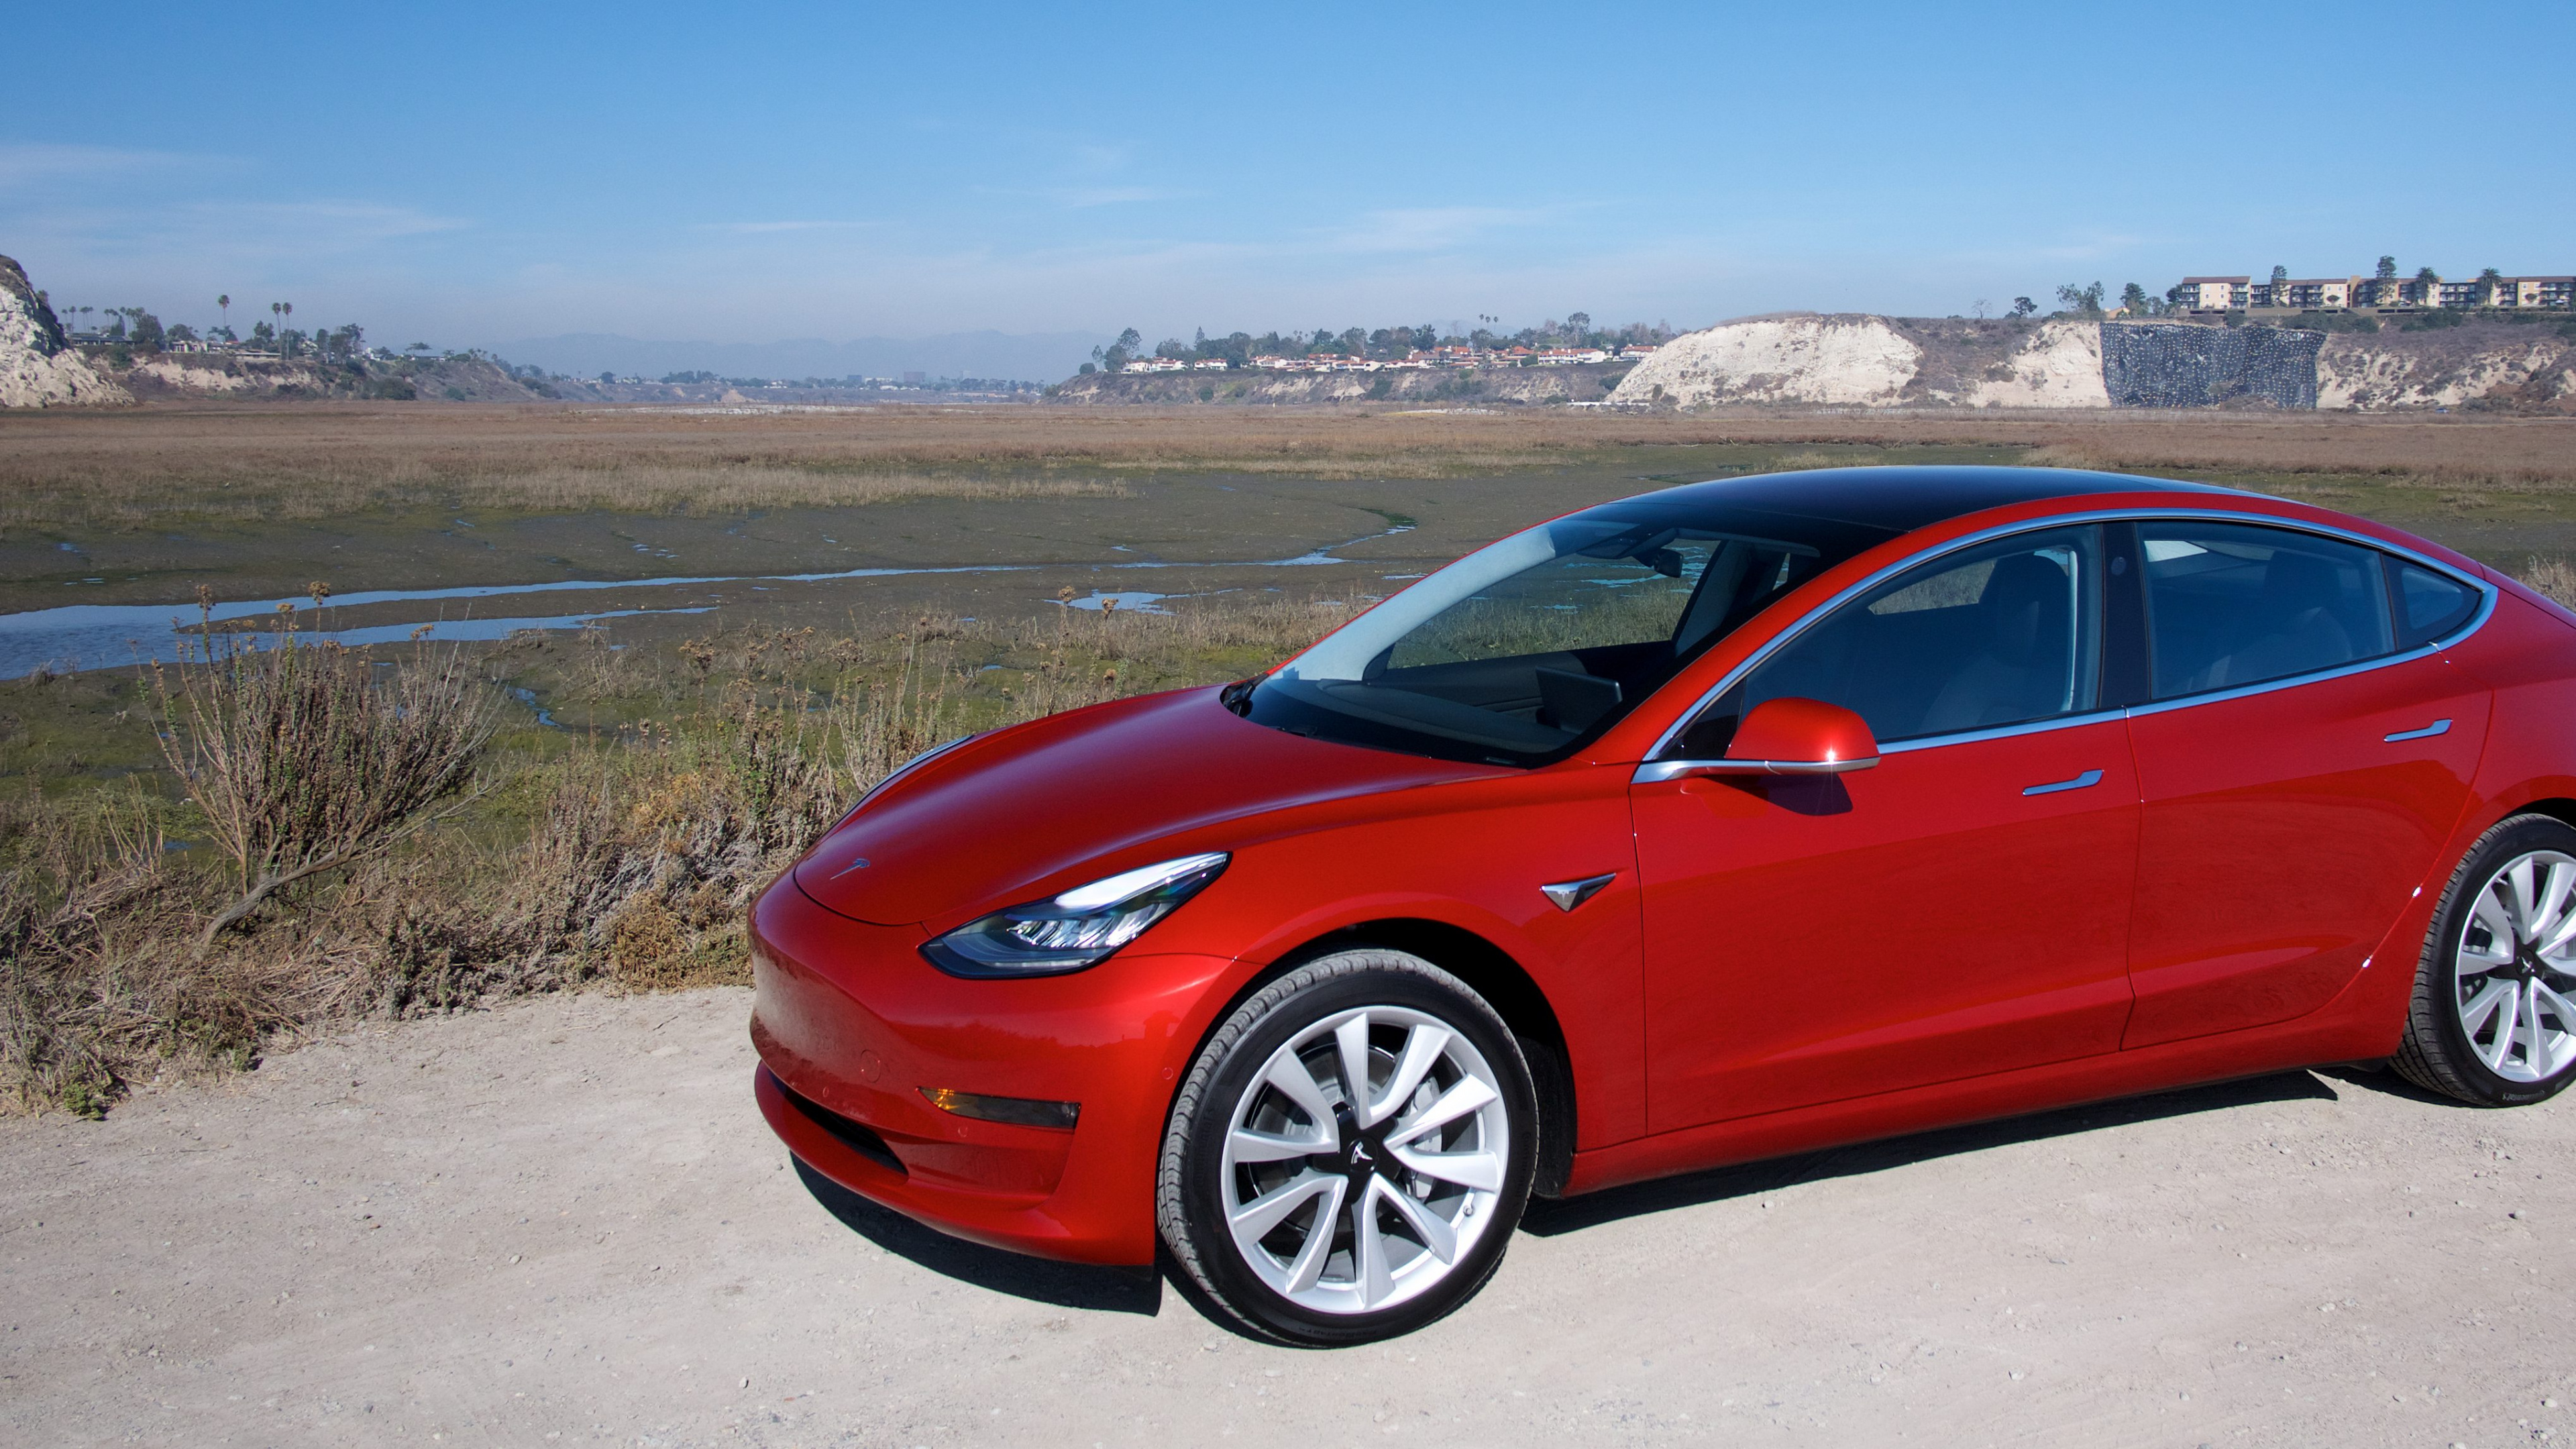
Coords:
2514,989
1364,1161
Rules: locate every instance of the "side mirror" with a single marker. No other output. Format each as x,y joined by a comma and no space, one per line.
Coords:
1784,736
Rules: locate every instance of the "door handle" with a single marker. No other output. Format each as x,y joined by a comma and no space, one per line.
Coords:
2088,778
2437,727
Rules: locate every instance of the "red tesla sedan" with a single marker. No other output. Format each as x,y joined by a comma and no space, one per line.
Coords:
1737,819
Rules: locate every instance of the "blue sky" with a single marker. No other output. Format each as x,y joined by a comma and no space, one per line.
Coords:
471,173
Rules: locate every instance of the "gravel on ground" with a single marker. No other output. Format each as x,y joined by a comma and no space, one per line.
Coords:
562,1222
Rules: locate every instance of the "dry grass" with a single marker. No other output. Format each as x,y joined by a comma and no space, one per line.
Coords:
624,856
314,460
2553,577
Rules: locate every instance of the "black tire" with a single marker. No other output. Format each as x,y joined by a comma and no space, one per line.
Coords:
1224,1081
2437,1052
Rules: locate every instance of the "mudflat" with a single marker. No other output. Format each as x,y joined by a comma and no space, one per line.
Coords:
562,1221
789,518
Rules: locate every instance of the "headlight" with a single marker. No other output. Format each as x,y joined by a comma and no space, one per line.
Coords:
1076,929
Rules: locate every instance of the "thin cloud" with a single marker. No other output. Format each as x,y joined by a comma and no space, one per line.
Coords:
1427,228
237,231
325,223
767,228
22,163
1081,196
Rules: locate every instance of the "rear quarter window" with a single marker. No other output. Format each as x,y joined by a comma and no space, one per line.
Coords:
2429,605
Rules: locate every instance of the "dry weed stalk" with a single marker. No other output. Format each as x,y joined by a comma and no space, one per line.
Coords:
302,763
2553,577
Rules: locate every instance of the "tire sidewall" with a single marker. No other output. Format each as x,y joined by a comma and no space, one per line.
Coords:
2442,963
1203,1208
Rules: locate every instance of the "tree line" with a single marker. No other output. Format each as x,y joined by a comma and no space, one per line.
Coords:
1382,343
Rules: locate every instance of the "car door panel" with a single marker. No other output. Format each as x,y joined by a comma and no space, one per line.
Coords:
1926,920
2283,833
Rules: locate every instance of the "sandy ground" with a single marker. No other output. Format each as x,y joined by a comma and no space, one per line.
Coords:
563,1222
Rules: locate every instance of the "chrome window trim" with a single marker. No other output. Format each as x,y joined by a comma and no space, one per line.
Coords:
2487,593
2005,732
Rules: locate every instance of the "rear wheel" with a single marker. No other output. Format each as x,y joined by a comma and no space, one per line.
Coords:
1351,1151
2493,1021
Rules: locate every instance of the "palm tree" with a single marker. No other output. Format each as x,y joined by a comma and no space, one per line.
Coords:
225,305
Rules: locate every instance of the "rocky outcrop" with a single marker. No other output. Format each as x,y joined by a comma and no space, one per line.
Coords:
2516,367
1829,361
2524,365
36,369
2177,365
2059,367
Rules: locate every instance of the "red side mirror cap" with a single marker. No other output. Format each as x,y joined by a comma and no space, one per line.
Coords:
1815,737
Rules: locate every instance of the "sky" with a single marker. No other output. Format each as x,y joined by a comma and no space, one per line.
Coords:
467,174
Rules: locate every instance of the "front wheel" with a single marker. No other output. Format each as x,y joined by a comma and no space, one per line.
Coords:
2493,1021
1351,1151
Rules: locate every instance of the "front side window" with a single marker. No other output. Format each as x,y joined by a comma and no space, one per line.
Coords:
2232,604
1519,651
2004,633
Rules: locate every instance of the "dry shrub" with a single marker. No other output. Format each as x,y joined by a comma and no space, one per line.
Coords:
87,986
2068,455
1808,458
2553,577
302,762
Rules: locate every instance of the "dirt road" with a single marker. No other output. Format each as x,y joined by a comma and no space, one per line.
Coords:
562,1222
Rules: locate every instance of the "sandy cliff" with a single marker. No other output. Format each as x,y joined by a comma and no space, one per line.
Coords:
36,369
2059,367
1829,361
2527,365
2503,367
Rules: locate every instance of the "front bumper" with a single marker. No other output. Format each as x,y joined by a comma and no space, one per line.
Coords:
852,1024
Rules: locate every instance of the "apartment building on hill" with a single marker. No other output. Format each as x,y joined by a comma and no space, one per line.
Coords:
2386,294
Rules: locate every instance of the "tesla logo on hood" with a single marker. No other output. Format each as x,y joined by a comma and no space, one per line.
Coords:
857,862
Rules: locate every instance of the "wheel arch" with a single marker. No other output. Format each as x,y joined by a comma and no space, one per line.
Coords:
2556,807
1505,985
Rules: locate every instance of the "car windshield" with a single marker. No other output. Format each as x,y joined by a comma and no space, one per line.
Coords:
1522,651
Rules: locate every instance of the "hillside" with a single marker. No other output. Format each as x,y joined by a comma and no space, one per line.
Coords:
173,376
1430,387
1872,361
37,369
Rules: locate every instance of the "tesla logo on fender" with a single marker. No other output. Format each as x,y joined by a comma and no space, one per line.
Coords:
857,862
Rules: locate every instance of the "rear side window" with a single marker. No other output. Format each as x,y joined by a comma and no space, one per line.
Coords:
2234,604
2429,605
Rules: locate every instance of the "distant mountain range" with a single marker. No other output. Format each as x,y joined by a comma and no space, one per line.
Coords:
1031,357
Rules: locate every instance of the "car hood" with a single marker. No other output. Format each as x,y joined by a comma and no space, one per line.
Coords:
1046,806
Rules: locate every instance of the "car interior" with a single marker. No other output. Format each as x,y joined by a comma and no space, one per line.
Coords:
1645,627
2229,605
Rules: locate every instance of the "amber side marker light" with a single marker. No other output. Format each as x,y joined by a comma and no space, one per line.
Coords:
1018,1111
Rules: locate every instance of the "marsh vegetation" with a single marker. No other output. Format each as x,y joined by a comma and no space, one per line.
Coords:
195,861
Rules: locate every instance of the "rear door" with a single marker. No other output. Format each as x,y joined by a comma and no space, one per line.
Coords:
2304,758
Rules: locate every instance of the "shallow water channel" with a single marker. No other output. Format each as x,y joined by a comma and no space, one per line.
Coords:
91,636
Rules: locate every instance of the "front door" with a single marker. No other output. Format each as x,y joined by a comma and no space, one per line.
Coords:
1963,908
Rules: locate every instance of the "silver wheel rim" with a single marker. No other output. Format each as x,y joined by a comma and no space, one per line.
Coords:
1363,1163
2514,990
